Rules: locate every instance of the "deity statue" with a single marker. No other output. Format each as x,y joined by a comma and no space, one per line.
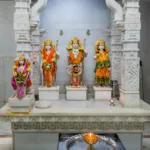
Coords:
49,62
21,76
102,68
76,56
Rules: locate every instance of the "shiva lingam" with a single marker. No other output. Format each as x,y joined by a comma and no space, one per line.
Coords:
90,138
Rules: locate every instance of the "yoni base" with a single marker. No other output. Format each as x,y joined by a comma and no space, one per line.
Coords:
76,93
23,105
102,93
49,93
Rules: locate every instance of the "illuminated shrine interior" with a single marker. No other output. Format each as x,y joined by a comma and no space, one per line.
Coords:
74,75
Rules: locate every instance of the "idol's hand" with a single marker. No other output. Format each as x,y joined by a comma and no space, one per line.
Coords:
95,57
109,69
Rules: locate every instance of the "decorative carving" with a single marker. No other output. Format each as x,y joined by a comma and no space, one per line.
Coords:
116,68
22,25
78,126
118,12
116,47
132,36
132,74
35,76
37,8
122,73
110,119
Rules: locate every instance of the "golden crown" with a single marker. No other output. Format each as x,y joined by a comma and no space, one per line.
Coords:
75,39
48,42
21,57
101,42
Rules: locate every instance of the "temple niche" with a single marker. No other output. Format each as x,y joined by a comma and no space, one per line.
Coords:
80,17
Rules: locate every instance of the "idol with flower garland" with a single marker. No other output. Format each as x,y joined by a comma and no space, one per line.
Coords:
49,62
102,68
76,56
21,76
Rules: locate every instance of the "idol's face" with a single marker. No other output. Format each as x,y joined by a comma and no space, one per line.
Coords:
75,45
101,47
21,62
48,47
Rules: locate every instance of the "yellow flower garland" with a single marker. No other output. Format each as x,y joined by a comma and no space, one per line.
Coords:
24,75
15,74
28,69
44,61
14,67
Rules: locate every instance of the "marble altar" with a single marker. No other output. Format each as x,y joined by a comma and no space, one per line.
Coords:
72,117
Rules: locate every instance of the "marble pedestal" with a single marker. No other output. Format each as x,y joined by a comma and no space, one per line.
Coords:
22,105
49,93
76,93
102,93
130,99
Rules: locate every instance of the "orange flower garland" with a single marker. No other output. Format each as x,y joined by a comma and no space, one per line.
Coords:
75,60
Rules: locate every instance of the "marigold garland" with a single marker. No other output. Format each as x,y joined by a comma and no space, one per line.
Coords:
28,69
75,60
14,67
15,74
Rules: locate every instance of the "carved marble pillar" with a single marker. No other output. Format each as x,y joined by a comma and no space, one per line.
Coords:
35,47
35,41
117,24
116,48
130,60
22,26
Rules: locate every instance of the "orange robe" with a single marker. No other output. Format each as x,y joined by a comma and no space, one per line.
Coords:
49,60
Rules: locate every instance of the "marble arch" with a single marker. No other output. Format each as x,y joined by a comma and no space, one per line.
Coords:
124,32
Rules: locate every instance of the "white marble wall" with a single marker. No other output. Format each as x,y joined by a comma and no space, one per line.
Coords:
7,40
83,15
7,48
